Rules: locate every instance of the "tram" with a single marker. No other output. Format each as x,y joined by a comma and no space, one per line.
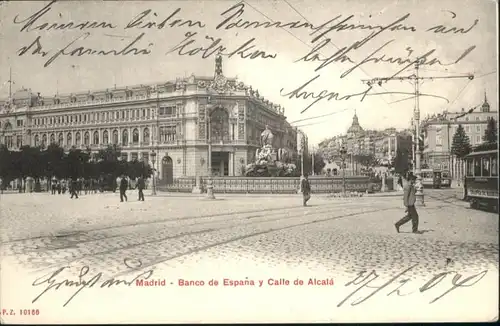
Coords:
481,180
431,178
445,179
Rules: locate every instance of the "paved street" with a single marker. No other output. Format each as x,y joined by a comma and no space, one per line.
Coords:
250,237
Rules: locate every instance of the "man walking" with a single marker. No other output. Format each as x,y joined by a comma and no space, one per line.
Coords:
409,198
73,187
123,188
305,186
140,185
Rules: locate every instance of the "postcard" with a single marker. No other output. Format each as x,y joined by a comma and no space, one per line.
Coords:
248,161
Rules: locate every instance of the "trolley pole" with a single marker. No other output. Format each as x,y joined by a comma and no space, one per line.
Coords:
416,80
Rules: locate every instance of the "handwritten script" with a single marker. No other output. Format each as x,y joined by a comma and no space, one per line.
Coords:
378,44
400,285
55,281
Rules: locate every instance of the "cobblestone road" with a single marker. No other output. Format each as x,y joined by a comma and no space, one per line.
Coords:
243,237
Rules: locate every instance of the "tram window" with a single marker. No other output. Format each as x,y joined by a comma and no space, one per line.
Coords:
470,168
494,166
485,162
477,167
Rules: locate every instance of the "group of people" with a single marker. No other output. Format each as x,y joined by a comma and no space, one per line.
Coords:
140,185
124,184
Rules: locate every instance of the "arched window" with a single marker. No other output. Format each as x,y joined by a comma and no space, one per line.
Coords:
86,138
37,140
52,138
125,137
68,139
145,135
115,137
78,139
220,125
135,136
60,139
96,138
44,140
105,137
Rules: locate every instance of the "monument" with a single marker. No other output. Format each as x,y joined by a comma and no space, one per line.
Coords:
270,162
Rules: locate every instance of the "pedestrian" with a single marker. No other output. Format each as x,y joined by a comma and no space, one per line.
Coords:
409,198
123,188
140,185
73,188
305,187
53,186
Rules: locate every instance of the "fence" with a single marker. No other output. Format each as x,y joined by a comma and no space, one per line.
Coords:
276,185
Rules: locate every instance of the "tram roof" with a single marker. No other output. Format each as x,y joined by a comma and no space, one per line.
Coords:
493,151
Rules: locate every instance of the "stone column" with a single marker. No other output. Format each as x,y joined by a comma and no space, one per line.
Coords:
231,164
129,136
151,131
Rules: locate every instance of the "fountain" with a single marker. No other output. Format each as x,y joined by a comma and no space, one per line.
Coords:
270,162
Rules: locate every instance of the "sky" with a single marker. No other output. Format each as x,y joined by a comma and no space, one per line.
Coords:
285,69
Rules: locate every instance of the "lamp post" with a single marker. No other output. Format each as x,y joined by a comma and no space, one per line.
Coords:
153,160
343,153
419,193
312,162
210,187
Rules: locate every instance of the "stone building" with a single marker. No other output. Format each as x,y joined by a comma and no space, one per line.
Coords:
439,130
176,119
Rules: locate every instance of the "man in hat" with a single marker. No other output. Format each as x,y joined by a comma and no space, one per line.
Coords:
123,188
305,187
140,185
409,198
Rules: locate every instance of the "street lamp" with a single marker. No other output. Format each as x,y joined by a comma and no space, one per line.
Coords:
153,160
343,153
210,187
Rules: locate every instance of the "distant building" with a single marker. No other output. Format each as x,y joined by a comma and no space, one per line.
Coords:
382,144
439,130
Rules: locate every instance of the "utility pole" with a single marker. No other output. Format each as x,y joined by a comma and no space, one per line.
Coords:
416,80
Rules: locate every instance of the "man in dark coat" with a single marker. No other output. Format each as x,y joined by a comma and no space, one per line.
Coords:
123,188
73,188
305,186
409,198
140,185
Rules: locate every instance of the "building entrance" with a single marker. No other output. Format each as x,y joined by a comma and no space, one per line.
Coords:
220,164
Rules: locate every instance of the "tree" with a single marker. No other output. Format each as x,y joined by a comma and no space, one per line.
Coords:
490,134
29,162
319,162
76,161
490,140
5,164
401,162
461,144
109,160
55,166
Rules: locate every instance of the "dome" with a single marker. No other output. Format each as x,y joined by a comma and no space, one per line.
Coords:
355,128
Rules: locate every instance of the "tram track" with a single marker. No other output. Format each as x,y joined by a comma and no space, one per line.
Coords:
269,211
284,216
243,237
159,221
